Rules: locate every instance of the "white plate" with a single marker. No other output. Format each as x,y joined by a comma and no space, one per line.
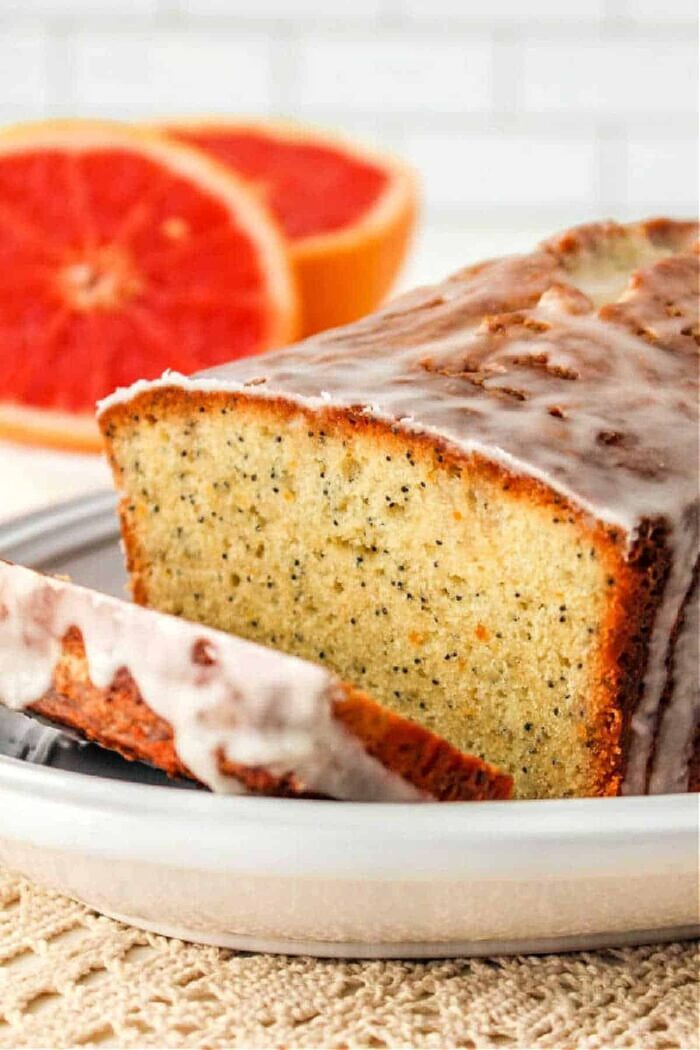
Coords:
331,878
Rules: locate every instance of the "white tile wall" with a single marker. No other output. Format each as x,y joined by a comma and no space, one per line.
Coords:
397,76
286,10
142,72
513,171
502,12
660,11
609,77
75,8
23,72
522,115
672,163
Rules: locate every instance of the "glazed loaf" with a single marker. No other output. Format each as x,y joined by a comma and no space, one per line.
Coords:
479,505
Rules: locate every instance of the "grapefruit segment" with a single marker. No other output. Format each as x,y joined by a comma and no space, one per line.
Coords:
347,212
122,254
311,188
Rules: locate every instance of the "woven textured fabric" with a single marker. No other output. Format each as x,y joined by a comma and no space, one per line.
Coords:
69,977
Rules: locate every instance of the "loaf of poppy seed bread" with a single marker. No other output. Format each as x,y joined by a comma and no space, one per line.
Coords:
479,505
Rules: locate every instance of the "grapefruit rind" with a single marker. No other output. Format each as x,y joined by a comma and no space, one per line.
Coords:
49,428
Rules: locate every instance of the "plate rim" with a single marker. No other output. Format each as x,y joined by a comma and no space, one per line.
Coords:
71,785
406,842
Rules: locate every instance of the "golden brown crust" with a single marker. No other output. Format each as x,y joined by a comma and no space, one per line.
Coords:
635,586
427,761
117,717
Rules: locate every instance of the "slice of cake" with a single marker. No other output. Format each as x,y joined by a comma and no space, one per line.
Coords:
479,505
199,703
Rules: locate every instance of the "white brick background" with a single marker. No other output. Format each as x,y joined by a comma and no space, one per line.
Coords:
522,115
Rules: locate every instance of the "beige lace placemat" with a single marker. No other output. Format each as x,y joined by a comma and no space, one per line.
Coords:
69,977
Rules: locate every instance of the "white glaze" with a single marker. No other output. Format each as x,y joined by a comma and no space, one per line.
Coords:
481,362
255,706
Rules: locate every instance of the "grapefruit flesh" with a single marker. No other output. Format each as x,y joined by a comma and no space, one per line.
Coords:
121,256
347,213
311,188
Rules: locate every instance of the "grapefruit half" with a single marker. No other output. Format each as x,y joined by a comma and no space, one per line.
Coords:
123,253
347,212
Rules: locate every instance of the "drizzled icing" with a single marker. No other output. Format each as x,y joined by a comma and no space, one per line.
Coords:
576,365
254,706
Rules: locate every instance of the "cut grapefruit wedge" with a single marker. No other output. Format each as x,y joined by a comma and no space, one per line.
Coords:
347,212
123,253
